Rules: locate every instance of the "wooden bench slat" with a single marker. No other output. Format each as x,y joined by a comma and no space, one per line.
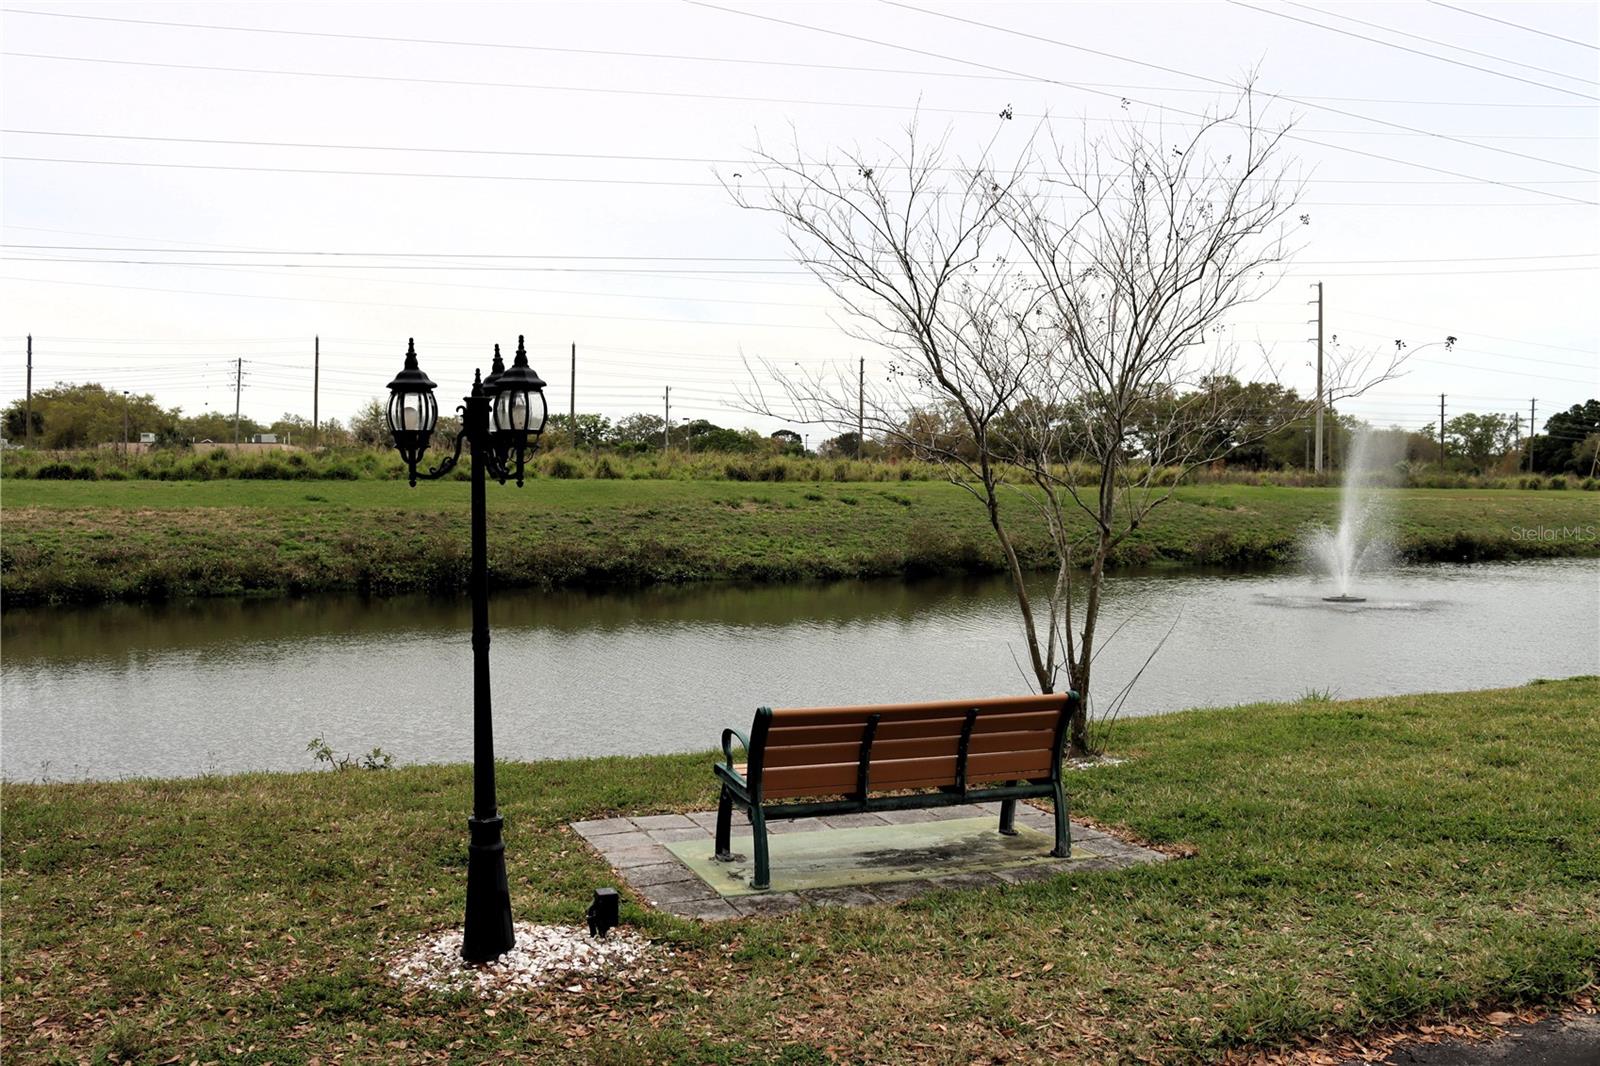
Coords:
890,712
784,734
840,778
1036,740
829,780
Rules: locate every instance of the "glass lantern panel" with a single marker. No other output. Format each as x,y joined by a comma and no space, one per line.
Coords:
411,410
511,411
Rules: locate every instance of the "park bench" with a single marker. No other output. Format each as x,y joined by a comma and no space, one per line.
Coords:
842,760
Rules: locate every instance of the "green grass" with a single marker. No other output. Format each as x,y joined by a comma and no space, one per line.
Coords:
1354,865
69,542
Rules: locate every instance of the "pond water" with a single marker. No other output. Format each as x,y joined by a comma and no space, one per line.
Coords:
220,686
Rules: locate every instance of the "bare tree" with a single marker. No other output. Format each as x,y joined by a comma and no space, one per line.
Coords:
1067,305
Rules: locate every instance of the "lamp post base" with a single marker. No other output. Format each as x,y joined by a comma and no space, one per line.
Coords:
488,932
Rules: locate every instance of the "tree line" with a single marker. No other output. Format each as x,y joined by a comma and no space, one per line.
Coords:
1252,426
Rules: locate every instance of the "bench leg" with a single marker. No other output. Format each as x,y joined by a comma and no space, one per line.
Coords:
758,832
725,826
1063,849
1008,816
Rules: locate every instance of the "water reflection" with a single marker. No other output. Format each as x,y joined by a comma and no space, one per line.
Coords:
233,685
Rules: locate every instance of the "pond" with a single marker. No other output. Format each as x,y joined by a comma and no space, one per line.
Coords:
223,686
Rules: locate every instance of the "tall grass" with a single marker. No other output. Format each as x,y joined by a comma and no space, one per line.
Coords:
212,464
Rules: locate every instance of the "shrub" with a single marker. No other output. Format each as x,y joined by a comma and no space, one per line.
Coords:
1558,483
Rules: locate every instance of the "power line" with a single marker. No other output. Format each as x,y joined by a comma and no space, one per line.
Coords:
412,306
1292,136
656,182
1435,40
1516,25
246,268
856,104
1157,66
1417,51
1493,370
712,160
1499,355
1408,131
670,258
720,59
1509,340
796,279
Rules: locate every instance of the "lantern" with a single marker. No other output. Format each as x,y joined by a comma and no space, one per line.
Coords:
413,411
519,406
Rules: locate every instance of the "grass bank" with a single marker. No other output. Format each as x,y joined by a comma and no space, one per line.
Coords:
82,542
206,463
1354,865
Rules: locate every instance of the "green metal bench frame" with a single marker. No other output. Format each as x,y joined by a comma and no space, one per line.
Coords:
744,790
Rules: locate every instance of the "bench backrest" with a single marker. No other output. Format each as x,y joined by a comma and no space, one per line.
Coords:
811,751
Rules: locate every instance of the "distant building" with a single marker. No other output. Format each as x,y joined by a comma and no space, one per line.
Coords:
147,438
264,438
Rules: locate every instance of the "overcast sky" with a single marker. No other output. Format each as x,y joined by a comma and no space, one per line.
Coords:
505,130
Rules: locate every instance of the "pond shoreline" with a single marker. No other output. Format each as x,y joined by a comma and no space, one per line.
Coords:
158,542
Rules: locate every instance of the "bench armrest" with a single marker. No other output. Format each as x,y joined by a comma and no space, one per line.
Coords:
728,735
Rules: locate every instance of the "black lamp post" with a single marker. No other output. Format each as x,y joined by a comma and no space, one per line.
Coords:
501,422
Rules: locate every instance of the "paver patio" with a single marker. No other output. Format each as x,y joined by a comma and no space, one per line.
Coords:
850,861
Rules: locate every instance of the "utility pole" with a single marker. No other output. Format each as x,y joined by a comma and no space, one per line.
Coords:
1319,379
316,377
1441,431
1532,406
27,415
572,391
238,385
666,422
861,409
124,423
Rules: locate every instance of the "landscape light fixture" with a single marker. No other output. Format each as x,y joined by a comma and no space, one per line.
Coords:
604,912
501,421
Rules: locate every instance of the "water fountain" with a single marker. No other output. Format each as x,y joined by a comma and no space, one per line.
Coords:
1360,542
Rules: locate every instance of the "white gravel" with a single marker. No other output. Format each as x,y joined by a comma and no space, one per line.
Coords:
543,955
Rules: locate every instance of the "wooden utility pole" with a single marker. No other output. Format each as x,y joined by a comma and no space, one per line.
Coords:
1319,379
1441,431
1532,406
666,421
238,385
572,392
316,376
861,409
27,411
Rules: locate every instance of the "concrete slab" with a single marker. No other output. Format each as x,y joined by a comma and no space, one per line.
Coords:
840,897
870,854
664,821
656,858
661,873
777,903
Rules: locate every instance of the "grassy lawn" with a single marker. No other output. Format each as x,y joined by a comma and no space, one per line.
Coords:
1355,864
137,540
